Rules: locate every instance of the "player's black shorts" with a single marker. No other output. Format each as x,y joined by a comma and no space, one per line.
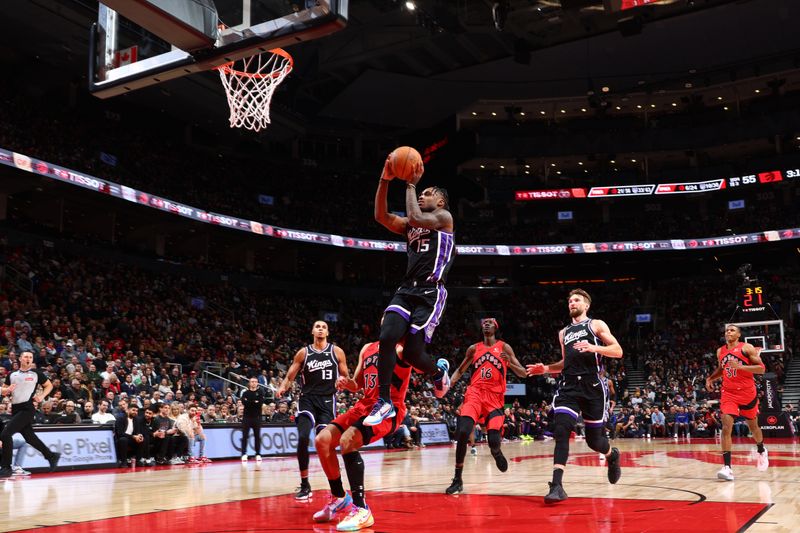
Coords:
321,409
584,396
422,306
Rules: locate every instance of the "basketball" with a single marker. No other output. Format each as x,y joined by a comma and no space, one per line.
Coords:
403,160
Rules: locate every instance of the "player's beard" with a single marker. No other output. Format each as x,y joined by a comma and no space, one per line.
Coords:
574,313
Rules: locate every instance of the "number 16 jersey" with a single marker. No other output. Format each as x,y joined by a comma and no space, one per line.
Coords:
489,368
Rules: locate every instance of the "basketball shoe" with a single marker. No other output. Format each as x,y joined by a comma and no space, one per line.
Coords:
456,487
500,461
556,494
304,493
442,385
333,506
380,412
614,470
359,518
763,461
726,473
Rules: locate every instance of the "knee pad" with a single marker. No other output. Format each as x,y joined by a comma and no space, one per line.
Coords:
564,426
596,440
465,425
304,426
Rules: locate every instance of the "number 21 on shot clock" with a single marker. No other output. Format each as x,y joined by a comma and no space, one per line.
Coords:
753,296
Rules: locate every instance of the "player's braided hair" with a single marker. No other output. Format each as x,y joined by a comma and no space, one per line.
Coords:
441,191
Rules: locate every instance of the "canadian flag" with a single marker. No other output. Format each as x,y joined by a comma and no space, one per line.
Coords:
126,56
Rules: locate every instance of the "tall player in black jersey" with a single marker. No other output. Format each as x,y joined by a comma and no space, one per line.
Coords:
418,305
321,363
581,391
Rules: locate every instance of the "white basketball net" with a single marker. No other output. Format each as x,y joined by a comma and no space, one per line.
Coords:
250,87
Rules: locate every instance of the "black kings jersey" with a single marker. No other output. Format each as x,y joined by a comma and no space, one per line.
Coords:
430,255
320,371
581,363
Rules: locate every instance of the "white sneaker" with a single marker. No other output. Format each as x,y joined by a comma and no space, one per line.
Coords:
473,451
176,461
334,505
19,471
357,519
763,461
726,473
258,458
244,458
441,386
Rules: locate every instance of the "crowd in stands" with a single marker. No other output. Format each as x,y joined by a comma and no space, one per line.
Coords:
127,346
230,183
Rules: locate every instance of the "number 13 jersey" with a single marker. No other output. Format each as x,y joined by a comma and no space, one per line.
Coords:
320,371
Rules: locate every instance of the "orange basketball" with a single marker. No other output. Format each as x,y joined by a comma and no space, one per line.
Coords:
403,160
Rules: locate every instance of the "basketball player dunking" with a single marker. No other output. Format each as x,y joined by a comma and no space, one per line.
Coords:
581,391
419,303
485,396
321,363
738,361
349,431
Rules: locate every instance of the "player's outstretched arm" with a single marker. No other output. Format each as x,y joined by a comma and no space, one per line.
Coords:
390,221
464,364
291,374
513,362
553,368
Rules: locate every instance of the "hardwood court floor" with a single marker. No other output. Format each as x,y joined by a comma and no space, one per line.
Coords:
666,485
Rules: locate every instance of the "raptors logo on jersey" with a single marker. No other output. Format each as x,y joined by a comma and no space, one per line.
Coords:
489,368
732,379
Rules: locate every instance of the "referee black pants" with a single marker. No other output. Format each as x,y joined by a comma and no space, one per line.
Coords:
21,422
254,424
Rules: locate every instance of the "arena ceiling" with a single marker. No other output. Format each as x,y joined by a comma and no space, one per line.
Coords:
404,70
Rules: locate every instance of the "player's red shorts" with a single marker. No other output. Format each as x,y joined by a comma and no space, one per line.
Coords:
480,404
354,417
740,403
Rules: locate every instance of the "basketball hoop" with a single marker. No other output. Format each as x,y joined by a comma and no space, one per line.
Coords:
249,88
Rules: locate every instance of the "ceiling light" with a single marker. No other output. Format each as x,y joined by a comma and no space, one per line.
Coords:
502,166
542,113
411,6
719,98
558,172
653,105
528,166
638,106
583,110
483,166
633,161
580,163
674,104
563,111
757,91
527,172
725,108
522,113
612,161
618,108
494,114
552,164
605,88
474,114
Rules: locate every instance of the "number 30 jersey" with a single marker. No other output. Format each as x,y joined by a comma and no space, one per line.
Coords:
369,373
320,371
733,380
489,368
430,255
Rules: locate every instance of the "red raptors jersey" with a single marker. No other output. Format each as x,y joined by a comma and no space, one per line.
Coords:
489,368
732,380
369,372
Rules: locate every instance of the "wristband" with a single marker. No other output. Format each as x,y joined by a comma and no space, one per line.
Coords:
409,184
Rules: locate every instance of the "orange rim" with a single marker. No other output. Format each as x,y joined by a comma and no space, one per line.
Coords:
228,67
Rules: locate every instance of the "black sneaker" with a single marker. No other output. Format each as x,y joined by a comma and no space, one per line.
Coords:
6,472
614,470
556,494
303,494
54,461
501,462
456,487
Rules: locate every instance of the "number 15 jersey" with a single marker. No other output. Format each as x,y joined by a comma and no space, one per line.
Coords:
489,368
